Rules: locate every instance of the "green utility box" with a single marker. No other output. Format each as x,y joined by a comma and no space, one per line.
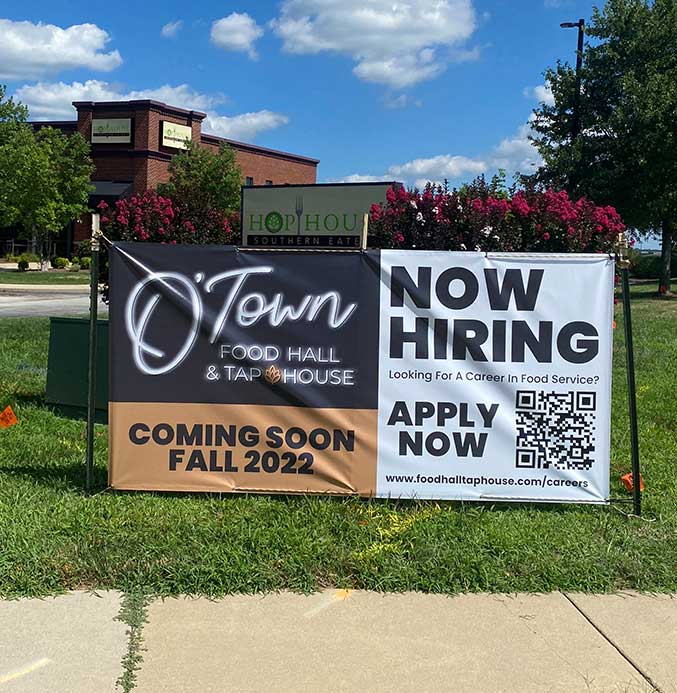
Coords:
68,366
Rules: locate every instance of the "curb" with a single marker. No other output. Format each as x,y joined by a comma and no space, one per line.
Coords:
52,289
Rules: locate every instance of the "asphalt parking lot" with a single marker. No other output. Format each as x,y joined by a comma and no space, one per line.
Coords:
45,301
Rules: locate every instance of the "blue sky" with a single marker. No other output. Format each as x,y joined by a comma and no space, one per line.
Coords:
390,89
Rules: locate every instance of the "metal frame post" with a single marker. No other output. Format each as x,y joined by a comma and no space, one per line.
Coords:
624,263
91,379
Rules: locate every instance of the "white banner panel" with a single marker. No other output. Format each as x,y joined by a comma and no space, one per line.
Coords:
495,376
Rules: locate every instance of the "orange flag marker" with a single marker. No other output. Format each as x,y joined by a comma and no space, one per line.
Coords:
629,484
8,418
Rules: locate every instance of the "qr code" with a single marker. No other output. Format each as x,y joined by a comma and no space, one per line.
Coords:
555,429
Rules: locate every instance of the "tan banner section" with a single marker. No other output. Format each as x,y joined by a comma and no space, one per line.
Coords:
242,448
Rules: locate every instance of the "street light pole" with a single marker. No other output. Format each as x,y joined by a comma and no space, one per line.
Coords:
576,119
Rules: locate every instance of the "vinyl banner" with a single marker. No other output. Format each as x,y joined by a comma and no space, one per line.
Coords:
382,373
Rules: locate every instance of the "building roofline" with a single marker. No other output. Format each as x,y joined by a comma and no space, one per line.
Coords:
53,123
137,104
255,148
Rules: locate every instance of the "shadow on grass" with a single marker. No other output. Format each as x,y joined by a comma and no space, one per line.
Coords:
34,399
72,475
64,411
641,294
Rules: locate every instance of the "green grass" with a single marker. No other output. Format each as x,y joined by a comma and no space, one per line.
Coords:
50,277
54,537
133,613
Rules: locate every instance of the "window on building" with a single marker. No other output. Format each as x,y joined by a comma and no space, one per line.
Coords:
249,180
269,182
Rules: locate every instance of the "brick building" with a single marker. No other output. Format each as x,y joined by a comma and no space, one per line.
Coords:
133,141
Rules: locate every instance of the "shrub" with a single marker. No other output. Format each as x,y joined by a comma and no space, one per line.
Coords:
485,217
60,262
645,266
29,257
74,267
85,262
157,219
25,258
85,249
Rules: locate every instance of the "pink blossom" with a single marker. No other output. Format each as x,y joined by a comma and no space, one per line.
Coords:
520,205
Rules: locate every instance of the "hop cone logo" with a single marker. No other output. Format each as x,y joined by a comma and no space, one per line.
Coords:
273,222
273,375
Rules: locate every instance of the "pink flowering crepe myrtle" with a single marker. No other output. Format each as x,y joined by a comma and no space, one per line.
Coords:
479,217
157,219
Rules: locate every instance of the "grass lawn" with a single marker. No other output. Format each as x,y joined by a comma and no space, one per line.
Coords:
54,537
49,277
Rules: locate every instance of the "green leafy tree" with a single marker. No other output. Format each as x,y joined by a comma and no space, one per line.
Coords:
44,176
204,180
12,113
626,152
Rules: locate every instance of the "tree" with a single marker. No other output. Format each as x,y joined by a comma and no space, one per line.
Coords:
204,180
12,112
626,152
44,176
44,181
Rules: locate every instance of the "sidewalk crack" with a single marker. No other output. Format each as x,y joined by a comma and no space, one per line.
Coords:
133,612
615,645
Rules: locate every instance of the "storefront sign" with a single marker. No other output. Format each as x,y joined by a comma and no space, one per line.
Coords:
111,130
308,216
392,373
174,135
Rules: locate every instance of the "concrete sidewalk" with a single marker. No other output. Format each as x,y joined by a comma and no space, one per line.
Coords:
342,640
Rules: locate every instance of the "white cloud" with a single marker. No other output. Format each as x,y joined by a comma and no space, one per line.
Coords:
542,93
47,100
31,51
244,126
393,43
236,32
516,153
358,178
512,154
52,100
401,101
438,168
171,29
